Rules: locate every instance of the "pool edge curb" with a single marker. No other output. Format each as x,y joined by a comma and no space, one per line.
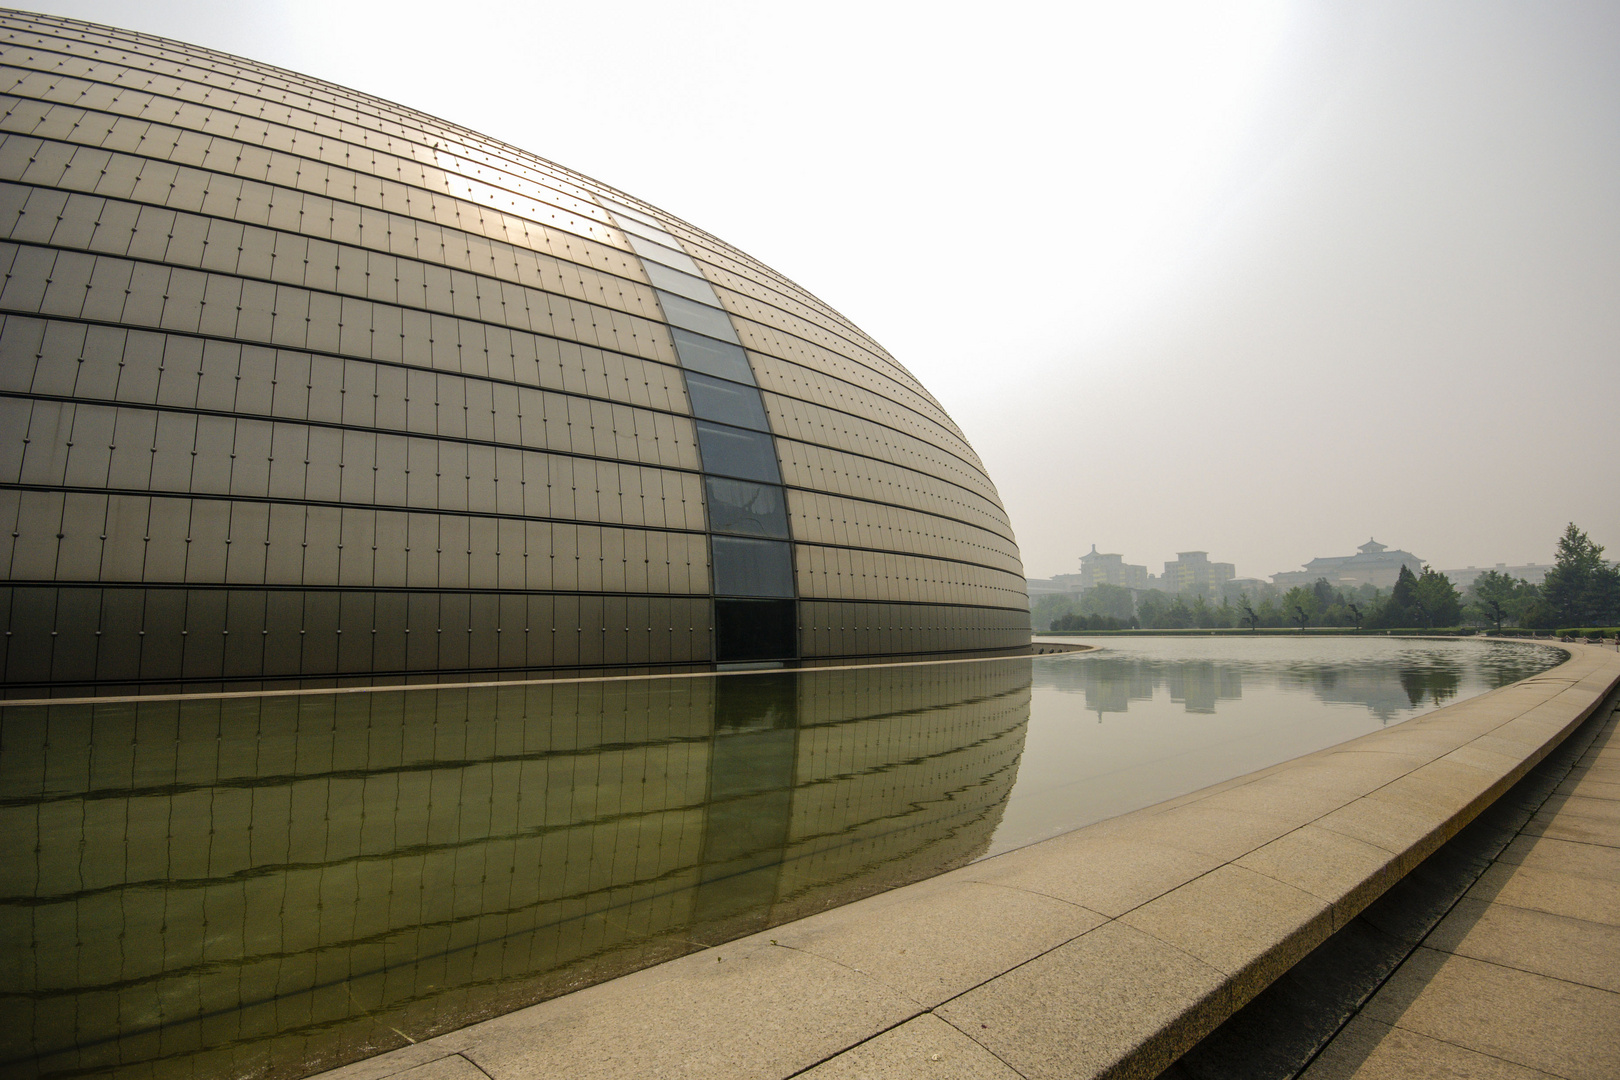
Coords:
1107,951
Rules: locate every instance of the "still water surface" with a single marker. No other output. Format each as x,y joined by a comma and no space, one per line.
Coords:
269,885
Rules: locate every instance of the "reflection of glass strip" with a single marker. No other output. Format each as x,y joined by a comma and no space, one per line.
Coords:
751,554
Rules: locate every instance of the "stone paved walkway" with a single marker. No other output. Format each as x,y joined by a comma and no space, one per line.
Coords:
1522,978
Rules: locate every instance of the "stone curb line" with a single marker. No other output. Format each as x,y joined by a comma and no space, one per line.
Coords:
1104,952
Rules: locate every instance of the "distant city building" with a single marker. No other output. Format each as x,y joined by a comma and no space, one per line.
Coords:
1059,585
1374,564
1534,573
1193,570
1098,568
1251,587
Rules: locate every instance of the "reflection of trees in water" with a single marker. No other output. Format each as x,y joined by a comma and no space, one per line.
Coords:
1110,682
331,870
1437,680
1386,686
1379,688
1506,662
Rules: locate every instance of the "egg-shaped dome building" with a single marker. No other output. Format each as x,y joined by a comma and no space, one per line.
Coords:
298,384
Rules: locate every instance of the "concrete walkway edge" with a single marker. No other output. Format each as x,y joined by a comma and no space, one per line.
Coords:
1105,952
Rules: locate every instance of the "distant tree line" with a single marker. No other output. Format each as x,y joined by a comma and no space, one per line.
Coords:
1581,590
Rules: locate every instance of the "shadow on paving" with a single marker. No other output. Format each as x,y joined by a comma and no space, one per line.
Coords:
1280,1033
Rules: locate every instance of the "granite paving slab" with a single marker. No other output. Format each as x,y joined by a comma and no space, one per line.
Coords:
1108,951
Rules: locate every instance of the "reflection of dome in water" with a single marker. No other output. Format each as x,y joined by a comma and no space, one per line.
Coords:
298,383
332,869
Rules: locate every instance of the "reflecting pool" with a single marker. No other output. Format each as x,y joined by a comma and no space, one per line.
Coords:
1142,720
267,885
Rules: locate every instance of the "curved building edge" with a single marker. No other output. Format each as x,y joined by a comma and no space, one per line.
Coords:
302,387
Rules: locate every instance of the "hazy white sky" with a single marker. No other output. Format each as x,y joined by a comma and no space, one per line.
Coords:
1260,278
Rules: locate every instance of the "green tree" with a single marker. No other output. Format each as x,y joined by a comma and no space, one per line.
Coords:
1495,597
1047,610
1582,588
1402,607
1152,607
1437,599
1299,603
1114,601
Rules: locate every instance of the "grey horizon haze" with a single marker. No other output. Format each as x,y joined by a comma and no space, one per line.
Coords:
1259,279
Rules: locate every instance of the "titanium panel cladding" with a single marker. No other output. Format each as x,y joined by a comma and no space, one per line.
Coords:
299,385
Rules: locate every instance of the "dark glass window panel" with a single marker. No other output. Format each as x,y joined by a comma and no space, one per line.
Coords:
325,389
253,389
48,431
320,633
627,212
735,452
389,393
355,619
250,458
512,643
73,653
455,619
289,446
70,277
359,390
705,354
120,652
14,413
19,345
656,252
92,446
117,218
691,315
161,640
186,241
78,222
483,644
422,630
212,470
25,285
12,199
726,402
219,253
388,565
105,297
83,521
244,645
204,637
57,370
182,307
99,368
323,476
216,378
673,281
182,360
388,469
634,223
125,550
390,639
205,541
283,645
166,529
250,528
747,630
748,567
737,506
